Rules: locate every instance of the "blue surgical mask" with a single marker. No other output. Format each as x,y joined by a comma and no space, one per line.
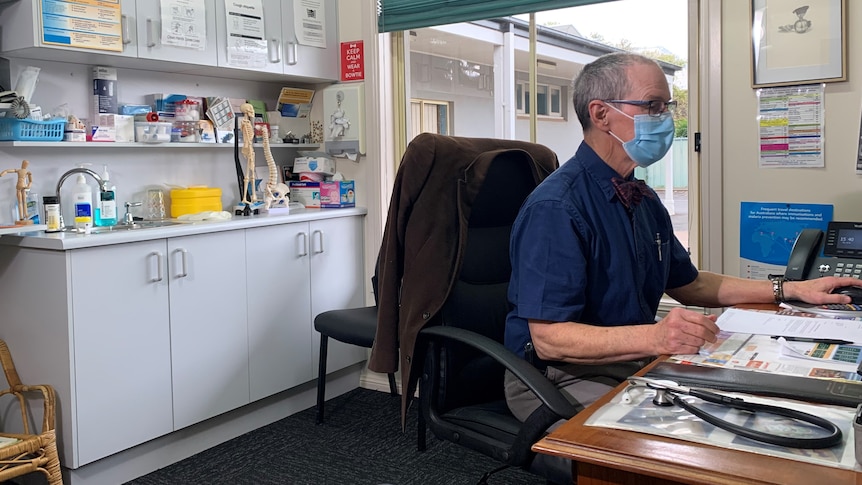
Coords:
653,138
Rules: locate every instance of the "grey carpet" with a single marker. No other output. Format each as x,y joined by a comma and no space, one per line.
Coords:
360,443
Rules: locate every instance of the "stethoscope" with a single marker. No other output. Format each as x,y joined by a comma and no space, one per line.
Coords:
668,393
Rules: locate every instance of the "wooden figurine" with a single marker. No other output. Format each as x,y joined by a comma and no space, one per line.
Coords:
25,180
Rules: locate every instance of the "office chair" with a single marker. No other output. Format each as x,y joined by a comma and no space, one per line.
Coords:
355,326
461,386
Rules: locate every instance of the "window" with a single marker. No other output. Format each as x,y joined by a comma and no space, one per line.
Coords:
428,117
548,99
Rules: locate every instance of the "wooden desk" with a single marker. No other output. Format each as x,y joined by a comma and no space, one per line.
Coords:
611,456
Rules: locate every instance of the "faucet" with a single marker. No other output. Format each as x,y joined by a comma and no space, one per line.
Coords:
103,185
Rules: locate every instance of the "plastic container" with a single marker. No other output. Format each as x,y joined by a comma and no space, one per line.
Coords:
185,132
13,129
153,132
83,197
106,212
194,200
52,213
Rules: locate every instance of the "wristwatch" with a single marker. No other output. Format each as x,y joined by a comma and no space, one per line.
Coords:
777,287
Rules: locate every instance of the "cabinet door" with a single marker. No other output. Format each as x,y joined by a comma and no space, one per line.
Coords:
209,339
23,26
121,347
229,28
337,281
307,60
184,27
279,308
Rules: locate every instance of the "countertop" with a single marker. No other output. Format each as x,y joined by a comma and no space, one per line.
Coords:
61,241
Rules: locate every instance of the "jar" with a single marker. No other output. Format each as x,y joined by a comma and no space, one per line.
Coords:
187,110
52,213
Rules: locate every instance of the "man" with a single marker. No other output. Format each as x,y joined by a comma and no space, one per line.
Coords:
593,250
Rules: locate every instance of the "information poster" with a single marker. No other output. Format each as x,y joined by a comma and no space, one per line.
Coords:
791,121
184,23
83,24
310,22
768,230
246,39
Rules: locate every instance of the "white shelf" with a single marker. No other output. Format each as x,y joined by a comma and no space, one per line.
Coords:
82,144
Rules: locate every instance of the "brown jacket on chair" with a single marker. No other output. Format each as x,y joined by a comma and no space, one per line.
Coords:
425,235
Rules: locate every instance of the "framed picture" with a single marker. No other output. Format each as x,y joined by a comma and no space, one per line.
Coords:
798,42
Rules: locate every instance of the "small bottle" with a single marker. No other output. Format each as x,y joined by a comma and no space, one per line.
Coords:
52,213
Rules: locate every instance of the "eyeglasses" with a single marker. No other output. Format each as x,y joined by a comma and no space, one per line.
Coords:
655,107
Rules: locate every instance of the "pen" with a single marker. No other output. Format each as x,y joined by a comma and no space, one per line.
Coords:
831,341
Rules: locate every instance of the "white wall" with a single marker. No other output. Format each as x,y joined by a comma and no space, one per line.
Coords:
836,183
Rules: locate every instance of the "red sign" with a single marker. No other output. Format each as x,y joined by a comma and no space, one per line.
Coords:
352,62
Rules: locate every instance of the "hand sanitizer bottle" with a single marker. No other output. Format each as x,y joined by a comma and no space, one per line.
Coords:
106,211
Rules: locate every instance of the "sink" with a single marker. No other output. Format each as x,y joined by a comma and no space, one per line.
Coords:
128,227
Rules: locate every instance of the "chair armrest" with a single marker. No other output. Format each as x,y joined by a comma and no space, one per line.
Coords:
523,370
48,403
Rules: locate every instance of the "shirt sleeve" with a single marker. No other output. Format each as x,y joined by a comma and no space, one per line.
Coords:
548,264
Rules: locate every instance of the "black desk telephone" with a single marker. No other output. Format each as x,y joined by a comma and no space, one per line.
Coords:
838,252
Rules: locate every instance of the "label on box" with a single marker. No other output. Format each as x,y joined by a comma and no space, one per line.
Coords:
307,193
338,194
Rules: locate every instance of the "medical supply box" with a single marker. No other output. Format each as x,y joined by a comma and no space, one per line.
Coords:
322,165
307,193
337,194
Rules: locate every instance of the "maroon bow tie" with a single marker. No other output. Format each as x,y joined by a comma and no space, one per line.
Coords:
631,192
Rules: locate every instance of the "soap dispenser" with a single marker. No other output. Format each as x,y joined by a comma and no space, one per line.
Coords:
106,210
83,197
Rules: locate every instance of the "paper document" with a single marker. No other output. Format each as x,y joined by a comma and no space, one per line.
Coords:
744,321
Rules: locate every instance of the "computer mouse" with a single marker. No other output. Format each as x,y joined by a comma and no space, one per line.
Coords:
854,292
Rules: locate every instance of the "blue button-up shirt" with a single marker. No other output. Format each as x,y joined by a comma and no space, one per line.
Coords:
578,254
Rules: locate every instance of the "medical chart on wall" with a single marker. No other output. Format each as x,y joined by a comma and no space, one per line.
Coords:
246,38
184,23
83,24
309,22
790,121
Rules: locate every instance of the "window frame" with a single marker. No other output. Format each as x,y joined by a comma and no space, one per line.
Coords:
522,97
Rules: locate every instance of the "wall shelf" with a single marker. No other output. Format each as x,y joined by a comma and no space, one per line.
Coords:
82,144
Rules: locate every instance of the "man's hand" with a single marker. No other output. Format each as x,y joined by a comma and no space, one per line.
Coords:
683,332
819,290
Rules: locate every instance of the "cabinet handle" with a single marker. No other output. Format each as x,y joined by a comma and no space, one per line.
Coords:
292,48
151,33
124,29
159,275
274,50
185,269
319,238
302,244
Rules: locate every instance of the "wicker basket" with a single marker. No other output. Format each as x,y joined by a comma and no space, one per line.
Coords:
13,129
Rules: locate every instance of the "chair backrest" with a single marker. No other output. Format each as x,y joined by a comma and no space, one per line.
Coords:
478,299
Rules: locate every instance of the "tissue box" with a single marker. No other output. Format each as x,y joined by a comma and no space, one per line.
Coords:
322,165
308,193
338,194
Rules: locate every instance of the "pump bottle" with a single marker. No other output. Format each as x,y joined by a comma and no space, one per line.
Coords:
106,211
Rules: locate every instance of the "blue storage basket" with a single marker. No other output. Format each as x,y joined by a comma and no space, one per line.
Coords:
14,129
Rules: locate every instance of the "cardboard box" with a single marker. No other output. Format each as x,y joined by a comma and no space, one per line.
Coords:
104,99
322,165
338,194
308,193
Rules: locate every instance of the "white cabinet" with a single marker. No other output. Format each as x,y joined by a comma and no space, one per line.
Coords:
201,49
209,341
296,271
285,54
22,30
305,60
121,348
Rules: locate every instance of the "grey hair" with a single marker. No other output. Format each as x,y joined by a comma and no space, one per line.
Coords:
604,78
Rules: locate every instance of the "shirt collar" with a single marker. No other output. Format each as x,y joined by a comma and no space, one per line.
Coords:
598,170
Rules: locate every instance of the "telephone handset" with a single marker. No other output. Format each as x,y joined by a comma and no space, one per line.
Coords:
805,250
